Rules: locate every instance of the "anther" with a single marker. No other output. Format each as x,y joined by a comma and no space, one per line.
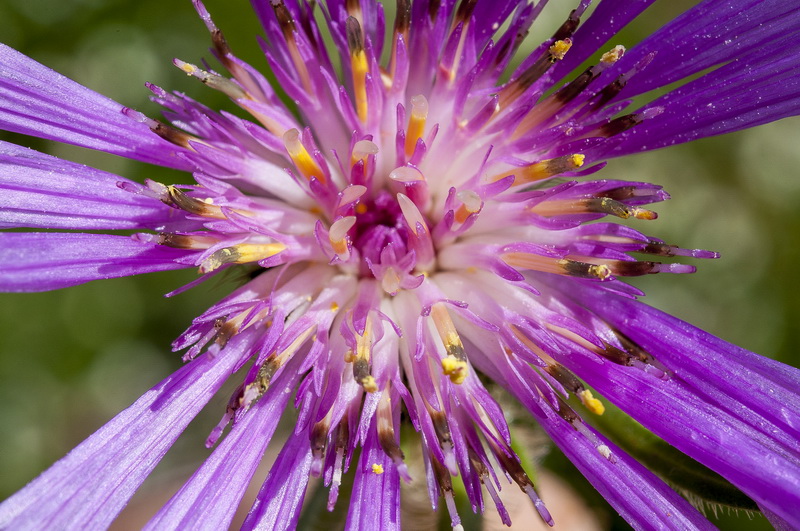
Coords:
359,65
543,169
242,253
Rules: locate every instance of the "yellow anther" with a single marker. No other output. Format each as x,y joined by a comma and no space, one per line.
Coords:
559,49
613,55
361,208
592,404
377,469
455,369
544,169
416,122
301,157
240,254
369,384
334,306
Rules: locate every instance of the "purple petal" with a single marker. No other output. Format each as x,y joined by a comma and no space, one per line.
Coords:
37,190
375,502
39,261
87,488
211,496
728,408
278,504
37,101
637,494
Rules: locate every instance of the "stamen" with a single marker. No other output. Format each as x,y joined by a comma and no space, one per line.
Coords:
186,241
216,82
517,87
284,17
416,122
302,159
559,266
402,22
240,254
359,65
543,169
377,469
178,198
361,359
601,205
454,364
387,436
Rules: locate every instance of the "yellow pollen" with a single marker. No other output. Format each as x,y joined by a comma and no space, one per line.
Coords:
544,169
613,55
592,404
455,369
301,157
369,384
559,49
377,469
240,254
416,122
334,306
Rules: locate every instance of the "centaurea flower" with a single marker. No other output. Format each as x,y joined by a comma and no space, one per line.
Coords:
407,225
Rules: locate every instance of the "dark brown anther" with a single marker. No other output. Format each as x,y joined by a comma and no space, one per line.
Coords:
565,377
608,92
615,355
284,17
353,7
355,37
225,331
222,48
170,134
390,446
618,194
659,249
566,412
433,8
569,92
621,124
568,27
319,438
360,369
441,427
402,20
632,347
184,202
178,241
633,269
442,476
464,12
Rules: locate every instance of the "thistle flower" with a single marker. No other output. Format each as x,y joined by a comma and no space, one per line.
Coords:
411,228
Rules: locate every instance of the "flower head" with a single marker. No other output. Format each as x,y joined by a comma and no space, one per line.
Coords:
415,217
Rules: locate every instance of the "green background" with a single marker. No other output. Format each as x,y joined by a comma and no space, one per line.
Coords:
70,360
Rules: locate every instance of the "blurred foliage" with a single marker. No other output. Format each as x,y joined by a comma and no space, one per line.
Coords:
70,360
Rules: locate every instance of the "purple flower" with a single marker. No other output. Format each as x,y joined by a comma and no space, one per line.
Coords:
407,225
